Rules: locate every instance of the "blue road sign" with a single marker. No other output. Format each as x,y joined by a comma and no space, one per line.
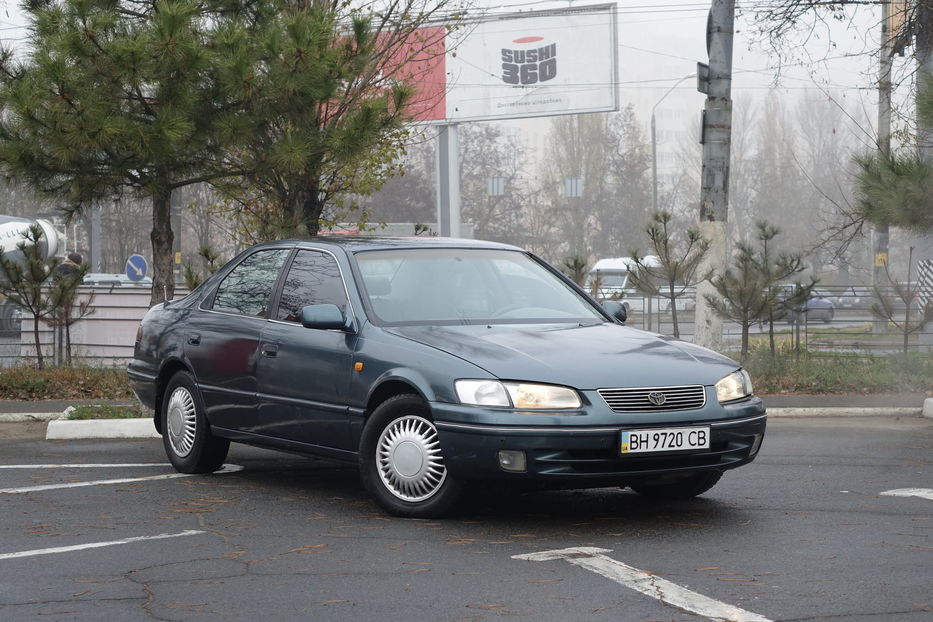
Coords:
136,267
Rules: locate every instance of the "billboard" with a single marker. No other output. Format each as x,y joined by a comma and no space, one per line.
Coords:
518,65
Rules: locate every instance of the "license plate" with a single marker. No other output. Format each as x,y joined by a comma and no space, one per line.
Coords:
663,439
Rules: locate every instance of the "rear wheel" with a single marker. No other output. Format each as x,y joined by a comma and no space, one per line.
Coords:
401,463
679,487
186,435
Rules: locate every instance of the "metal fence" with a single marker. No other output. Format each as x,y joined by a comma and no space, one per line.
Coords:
107,336
851,327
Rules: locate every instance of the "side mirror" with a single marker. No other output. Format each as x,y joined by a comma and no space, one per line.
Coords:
323,317
616,310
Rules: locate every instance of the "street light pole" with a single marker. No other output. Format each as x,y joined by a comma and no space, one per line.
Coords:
654,140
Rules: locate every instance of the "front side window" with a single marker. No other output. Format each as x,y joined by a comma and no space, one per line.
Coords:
313,279
246,290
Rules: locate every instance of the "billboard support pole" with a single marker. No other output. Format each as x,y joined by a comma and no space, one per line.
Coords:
448,181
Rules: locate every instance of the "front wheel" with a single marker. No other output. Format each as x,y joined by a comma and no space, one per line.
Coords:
680,487
186,435
401,464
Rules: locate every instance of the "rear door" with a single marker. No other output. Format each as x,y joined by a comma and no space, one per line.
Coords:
222,339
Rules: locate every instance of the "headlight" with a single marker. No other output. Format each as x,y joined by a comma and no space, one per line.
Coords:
516,394
735,386
482,393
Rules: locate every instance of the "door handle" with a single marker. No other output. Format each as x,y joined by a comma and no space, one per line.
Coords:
194,339
270,349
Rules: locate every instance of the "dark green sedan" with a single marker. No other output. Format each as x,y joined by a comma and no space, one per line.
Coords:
434,363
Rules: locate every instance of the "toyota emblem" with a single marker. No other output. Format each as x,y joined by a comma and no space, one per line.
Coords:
657,398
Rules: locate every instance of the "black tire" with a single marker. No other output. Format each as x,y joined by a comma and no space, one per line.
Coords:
401,464
829,318
681,487
186,434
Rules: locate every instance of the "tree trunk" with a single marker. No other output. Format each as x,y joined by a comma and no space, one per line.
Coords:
35,334
771,332
68,342
673,311
745,328
312,207
162,237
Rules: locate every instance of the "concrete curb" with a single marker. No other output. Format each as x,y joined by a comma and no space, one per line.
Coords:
62,429
841,411
928,408
28,417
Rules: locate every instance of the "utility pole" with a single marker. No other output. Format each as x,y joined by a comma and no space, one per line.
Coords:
717,145
879,235
924,54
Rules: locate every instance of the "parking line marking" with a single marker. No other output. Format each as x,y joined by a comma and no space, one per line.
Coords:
83,466
97,545
923,493
227,468
594,560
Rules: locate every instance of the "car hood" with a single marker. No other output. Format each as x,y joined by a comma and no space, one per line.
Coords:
585,357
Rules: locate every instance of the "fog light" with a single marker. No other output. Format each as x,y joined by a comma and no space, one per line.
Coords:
756,445
512,460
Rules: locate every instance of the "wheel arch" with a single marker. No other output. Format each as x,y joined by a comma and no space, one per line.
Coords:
388,389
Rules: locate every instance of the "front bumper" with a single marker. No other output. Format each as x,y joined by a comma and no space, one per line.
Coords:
588,455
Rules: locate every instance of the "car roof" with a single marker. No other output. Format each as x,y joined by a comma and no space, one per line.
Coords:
353,244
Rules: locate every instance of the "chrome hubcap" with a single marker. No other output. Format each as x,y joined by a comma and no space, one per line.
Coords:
408,458
182,421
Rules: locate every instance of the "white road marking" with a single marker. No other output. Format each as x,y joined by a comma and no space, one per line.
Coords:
592,559
227,468
97,545
923,493
83,466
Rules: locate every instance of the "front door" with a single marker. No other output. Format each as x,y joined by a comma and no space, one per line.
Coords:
304,374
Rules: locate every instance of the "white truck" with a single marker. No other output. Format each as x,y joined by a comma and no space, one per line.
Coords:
608,279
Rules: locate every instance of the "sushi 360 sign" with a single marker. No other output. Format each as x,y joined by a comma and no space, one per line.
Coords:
527,64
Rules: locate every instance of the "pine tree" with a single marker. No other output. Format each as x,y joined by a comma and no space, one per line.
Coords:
27,282
113,97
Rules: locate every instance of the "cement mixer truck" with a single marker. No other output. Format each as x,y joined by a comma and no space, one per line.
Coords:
13,233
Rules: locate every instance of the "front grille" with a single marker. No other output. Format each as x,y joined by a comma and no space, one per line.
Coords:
638,400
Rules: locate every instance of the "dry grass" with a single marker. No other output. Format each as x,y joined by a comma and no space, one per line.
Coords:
64,383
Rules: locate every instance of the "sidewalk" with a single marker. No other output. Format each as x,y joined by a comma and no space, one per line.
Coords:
18,418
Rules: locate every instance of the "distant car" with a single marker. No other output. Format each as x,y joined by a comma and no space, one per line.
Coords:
852,297
818,308
431,363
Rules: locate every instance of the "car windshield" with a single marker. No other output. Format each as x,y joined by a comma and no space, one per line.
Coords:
464,286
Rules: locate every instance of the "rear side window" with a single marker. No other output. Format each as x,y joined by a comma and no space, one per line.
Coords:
313,279
246,290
